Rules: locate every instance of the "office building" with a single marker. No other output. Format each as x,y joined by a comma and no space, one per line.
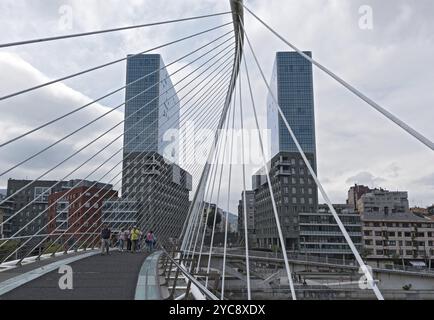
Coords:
162,189
120,214
150,173
250,212
6,211
293,186
30,219
321,236
151,106
77,211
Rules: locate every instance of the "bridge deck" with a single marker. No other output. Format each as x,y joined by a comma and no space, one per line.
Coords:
112,277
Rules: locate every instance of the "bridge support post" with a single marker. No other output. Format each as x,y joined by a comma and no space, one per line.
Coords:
169,271
172,293
187,292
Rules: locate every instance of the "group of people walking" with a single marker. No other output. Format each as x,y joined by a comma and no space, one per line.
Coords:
128,239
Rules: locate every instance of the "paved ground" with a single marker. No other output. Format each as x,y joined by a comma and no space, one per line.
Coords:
10,273
99,277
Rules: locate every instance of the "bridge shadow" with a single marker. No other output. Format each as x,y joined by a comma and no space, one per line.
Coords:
112,277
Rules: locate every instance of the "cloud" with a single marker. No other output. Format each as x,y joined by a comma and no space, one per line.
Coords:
366,178
26,113
427,181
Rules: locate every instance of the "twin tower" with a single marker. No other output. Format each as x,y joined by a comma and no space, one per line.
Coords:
162,189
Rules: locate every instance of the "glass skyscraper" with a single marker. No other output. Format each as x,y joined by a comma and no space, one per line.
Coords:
151,177
293,187
292,83
152,105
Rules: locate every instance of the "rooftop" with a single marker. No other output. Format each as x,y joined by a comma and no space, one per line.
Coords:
399,216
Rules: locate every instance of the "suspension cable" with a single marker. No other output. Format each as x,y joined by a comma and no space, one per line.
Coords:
110,93
108,64
121,161
83,180
351,88
83,34
270,187
314,176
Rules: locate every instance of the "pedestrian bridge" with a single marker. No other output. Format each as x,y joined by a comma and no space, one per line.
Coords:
213,95
118,276
88,275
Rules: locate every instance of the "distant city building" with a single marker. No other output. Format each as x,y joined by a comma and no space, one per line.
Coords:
151,109
320,235
421,212
233,223
163,192
6,210
78,210
36,192
250,212
210,209
383,202
355,193
400,237
152,106
120,214
293,187
431,210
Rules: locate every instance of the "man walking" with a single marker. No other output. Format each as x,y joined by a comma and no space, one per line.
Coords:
105,239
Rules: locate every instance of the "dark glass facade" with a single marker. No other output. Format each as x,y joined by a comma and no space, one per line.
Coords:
292,83
152,109
152,105
293,187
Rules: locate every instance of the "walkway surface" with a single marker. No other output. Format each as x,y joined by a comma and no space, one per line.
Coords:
112,277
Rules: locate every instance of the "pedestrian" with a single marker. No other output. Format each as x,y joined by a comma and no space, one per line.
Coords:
105,239
122,240
150,241
135,234
128,235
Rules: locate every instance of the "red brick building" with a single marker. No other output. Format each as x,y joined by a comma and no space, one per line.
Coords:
77,211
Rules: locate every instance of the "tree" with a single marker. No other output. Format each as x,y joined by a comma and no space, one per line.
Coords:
211,215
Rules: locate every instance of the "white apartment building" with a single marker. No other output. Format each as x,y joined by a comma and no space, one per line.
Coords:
383,202
400,238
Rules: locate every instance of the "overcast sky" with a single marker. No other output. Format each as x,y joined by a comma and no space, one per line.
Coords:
392,63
